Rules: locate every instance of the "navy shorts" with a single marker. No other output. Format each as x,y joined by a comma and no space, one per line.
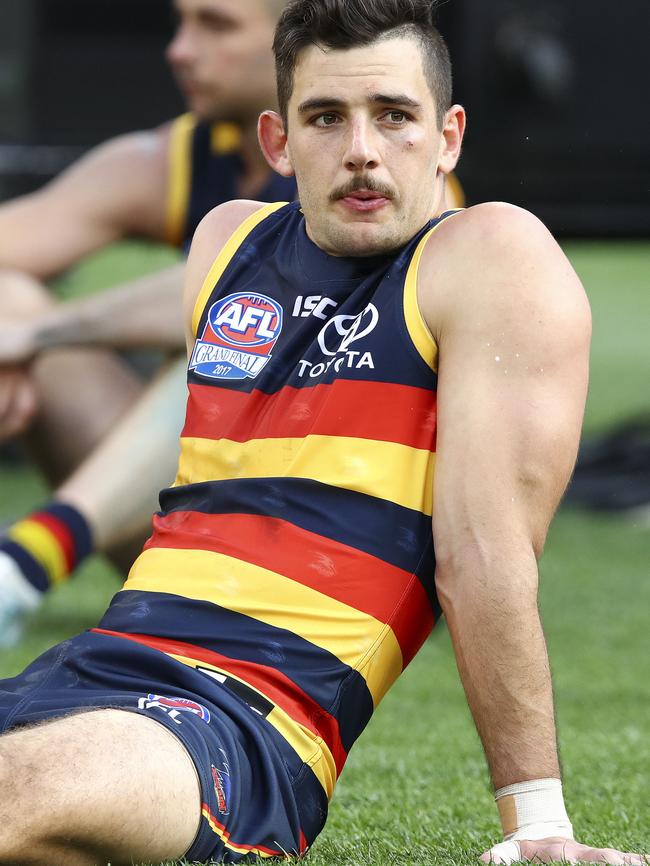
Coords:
258,799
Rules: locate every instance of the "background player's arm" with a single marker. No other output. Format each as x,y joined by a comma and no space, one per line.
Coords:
513,327
118,189
140,313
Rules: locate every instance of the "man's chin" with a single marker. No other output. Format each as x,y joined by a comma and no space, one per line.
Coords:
207,110
364,238
350,248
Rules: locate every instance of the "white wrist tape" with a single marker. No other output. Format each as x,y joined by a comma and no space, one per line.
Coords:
533,810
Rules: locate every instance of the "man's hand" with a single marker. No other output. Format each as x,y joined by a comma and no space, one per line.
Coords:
18,402
17,342
562,850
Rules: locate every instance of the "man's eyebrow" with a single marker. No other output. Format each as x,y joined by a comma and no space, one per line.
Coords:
321,103
395,99
318,103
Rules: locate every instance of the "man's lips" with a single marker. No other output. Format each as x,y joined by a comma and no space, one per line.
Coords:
365,200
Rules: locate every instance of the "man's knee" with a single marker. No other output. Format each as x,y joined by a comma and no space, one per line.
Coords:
81,787
19,835
22,296
31,830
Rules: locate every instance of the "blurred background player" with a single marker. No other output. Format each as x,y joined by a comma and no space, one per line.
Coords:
155,184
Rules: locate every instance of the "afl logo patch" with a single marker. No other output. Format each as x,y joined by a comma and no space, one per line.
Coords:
240,332
174,706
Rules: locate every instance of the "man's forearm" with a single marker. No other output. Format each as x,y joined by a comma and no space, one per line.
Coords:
144,312
501,654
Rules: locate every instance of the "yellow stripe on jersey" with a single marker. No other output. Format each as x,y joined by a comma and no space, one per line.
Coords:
227,252
417,327
43,546
225,138
351,635
455,192
223,834
311,748
386,470
179,177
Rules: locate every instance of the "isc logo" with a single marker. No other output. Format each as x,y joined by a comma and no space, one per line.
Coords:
238,336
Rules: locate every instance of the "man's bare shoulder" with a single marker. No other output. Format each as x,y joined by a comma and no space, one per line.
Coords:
126,157
499,261
210,237
219,224
120,185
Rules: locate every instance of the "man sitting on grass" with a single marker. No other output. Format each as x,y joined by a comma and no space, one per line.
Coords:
371,379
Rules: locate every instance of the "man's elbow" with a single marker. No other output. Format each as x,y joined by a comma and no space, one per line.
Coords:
489,575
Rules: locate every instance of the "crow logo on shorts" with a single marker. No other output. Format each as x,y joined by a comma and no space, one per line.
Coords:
221,779
239,334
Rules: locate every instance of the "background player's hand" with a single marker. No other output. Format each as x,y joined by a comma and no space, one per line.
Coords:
18,401
563,850
17,342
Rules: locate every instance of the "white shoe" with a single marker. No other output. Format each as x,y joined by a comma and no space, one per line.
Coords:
18,598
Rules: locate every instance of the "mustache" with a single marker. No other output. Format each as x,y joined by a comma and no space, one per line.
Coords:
364,182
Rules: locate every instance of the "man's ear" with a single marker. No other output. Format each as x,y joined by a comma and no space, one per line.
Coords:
452,138
273,141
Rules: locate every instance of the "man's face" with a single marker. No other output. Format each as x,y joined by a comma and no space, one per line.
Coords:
222,59
364,143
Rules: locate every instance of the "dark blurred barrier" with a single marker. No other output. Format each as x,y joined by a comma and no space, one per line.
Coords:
73,73
556,96
557,99
613,470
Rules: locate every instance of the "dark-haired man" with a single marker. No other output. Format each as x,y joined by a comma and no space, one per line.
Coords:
289,578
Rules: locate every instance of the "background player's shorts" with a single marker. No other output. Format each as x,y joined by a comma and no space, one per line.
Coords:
258,799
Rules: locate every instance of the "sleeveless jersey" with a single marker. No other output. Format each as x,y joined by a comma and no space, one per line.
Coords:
204,170
293,557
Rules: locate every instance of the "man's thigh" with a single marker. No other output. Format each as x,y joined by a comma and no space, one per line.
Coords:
98,786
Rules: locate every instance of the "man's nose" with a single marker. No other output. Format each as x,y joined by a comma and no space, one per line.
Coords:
180,49
361,148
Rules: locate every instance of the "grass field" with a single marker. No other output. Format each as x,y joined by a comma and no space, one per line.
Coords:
415,790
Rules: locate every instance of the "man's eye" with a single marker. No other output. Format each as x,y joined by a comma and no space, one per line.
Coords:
396,116
326,120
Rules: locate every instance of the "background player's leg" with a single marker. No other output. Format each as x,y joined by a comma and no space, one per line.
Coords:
110,497
116,488
100,786
81,393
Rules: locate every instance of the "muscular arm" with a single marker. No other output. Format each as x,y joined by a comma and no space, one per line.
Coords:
512,324
118,189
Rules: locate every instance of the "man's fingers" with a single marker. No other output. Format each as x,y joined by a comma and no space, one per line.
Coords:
504,852
18,403
561,850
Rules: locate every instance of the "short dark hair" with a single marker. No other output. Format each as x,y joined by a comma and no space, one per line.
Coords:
352,23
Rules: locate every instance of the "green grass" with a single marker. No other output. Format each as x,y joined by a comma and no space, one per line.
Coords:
415,790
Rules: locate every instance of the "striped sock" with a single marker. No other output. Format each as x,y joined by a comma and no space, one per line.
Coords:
48,544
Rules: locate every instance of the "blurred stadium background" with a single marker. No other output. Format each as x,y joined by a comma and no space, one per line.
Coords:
558,123
555,94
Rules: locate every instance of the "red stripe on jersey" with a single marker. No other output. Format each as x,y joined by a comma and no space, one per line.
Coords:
273,684
390,413
62,535
364,582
